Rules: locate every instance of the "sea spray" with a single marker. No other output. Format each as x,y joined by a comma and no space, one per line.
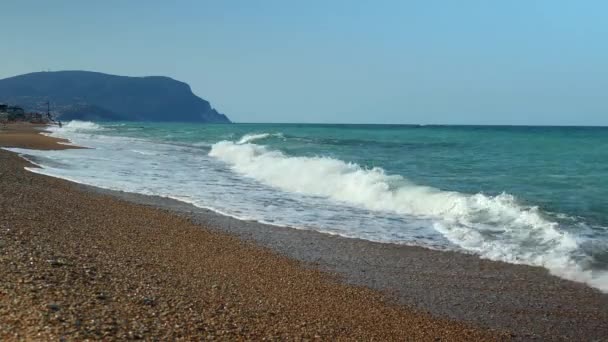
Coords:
77,125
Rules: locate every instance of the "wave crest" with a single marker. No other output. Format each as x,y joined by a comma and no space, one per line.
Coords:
249,138
495,227
77,125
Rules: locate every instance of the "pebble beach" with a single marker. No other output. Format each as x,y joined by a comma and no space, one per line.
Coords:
76,266
80,263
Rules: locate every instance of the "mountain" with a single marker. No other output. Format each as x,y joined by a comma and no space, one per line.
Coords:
95,96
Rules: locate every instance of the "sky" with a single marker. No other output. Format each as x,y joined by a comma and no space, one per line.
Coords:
519,62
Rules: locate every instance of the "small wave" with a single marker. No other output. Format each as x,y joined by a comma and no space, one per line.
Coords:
76,125
495,227
248,138
145,153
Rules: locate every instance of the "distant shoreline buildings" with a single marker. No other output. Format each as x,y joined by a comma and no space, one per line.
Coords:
18,114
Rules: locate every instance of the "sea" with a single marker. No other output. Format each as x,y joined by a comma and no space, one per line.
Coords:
524,195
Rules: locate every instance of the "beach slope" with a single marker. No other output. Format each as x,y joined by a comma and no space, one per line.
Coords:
80,265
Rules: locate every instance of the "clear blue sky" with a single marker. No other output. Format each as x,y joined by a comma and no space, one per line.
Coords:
451,62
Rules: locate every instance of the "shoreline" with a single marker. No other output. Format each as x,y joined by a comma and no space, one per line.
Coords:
27,135
524,300
79,265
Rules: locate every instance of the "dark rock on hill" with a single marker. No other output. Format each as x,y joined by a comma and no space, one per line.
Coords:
86,95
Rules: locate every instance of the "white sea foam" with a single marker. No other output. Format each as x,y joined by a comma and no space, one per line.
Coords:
249,138
495,227
79,126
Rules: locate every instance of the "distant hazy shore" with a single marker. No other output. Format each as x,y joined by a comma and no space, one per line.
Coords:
147,264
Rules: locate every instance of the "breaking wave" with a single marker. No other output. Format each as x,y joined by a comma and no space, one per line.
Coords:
495,227
248,138
79,126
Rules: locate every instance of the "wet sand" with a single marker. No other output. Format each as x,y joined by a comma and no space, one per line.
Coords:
80,265
26,135
419,293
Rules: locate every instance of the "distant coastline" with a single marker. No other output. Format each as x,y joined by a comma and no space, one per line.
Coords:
93,96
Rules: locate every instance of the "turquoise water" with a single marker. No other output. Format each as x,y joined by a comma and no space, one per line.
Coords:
532,195
560,169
